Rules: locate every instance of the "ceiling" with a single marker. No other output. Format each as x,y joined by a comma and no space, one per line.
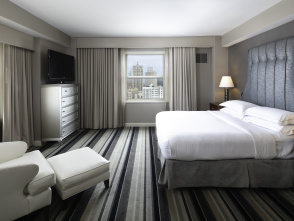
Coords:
145,18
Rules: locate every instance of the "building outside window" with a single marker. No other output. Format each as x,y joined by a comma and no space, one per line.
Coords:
145,74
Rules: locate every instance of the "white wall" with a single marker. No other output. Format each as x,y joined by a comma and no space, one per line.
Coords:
279,14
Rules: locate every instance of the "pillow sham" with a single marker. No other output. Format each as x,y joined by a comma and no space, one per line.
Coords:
238,105
278,116
233,112
286,130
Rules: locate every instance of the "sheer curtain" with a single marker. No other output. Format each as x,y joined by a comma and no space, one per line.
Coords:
17,95
181,69
99,76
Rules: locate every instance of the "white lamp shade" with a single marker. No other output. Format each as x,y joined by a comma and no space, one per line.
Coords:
226,82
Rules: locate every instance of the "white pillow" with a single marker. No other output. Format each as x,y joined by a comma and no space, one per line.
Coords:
286,130
233,112
238,105
274,115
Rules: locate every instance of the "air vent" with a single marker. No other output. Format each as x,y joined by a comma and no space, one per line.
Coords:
201,58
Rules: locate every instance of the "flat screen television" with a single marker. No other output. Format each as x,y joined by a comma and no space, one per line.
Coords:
61,67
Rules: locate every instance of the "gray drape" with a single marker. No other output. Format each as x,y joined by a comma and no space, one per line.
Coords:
99,77
17,95
182,94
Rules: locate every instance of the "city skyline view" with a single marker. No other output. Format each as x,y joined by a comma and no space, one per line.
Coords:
154,61
145,86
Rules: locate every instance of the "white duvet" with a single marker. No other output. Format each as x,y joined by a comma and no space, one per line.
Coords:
211,135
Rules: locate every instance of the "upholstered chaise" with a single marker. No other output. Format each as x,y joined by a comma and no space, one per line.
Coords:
25,180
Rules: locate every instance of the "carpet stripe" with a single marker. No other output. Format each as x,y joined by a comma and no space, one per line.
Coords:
95,204
104,141
181,210
148,179
172,206
262,207
160,207
120,200
272,204
207,211
86,139
105,203
186,206
136,185
243,203
217,205
108,152
190,206
100,187
281,202
230,205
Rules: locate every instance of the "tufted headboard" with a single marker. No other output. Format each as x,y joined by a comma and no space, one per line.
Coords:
270,80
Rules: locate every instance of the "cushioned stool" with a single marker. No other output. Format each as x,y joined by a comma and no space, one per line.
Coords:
79,170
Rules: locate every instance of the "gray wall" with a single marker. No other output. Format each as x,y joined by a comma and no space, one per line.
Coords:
204,81
238,55
16,38
142,113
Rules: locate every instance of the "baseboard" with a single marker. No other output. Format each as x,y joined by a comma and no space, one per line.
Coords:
38,143
139,124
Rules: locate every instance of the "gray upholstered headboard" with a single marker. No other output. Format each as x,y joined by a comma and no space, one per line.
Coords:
270,80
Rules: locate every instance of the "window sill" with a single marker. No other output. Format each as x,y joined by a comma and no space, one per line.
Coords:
145,101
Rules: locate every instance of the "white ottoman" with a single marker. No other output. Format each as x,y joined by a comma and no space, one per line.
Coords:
79,170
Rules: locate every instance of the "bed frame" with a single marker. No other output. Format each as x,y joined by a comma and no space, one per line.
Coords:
270,82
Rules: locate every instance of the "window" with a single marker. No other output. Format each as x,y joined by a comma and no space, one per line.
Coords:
145,75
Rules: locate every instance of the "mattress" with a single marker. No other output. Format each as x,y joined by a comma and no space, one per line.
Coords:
214,135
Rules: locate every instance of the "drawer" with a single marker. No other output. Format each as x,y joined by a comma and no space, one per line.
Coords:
69,100
69,128
69,109
66,91
70,118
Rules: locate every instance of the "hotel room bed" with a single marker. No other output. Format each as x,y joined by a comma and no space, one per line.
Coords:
215,135
199,149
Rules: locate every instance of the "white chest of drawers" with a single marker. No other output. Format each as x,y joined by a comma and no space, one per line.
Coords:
59,110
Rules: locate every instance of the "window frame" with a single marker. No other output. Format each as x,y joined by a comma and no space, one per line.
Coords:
144,52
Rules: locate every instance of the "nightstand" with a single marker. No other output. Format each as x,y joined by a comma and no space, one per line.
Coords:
215,106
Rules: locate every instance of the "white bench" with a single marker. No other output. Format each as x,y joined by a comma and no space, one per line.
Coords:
79,170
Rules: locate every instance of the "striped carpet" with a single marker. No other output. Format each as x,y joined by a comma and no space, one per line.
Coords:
135,195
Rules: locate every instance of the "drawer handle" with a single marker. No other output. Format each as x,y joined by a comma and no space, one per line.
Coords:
63,111
65,90
63,121
63,101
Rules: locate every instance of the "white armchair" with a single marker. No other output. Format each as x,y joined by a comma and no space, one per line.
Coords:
25,180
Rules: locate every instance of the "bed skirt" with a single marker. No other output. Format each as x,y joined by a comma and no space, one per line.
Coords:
245,173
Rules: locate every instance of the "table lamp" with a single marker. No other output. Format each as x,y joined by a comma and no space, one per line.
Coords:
227,83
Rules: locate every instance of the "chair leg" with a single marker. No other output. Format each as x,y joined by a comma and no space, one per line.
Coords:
106,183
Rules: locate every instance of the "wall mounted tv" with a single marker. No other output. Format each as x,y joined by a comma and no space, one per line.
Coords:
61,67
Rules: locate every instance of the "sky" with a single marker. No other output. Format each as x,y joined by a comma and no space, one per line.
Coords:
155,61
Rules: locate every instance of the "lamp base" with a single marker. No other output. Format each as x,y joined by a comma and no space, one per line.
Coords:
226,94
